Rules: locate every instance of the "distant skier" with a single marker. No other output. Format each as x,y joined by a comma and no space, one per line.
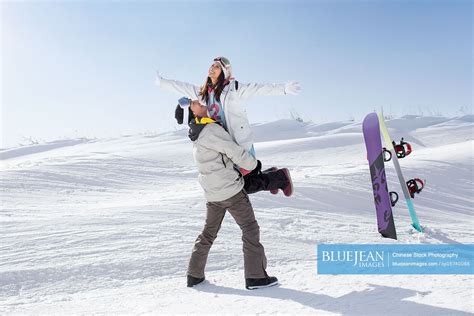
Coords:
215,153
222,95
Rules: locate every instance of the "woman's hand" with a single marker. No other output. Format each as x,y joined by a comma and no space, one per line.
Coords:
158,78
292,87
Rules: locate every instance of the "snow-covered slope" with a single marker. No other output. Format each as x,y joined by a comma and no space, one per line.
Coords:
107,225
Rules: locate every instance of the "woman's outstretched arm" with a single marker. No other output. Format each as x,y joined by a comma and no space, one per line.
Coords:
248,90
182,88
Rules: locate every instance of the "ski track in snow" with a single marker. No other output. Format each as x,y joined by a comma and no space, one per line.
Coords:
107,226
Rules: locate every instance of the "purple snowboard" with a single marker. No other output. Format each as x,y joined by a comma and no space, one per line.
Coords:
382,200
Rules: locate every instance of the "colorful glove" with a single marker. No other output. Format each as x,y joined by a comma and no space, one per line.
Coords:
184,102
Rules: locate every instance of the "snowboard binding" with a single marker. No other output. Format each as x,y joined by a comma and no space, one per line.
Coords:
415,186
387,154
393,198
403,149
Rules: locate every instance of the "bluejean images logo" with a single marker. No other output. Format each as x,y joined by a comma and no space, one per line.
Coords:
395,259
373,259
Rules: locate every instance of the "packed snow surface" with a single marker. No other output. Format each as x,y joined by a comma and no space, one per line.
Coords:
107,225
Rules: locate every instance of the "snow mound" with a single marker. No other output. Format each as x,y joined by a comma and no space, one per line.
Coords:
40,148
107,226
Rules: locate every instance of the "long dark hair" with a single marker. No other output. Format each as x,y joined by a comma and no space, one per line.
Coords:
218,87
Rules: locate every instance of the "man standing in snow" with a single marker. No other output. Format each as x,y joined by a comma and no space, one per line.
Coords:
215,154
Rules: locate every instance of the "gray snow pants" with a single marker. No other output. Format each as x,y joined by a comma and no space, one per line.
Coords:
241,210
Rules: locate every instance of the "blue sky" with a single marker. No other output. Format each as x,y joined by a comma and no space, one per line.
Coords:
86,68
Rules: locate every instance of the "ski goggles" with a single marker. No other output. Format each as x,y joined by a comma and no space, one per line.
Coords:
225,63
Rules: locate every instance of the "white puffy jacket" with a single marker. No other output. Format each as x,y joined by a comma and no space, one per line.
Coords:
236,117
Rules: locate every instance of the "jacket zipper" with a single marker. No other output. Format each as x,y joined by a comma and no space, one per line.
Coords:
224,108
222,158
